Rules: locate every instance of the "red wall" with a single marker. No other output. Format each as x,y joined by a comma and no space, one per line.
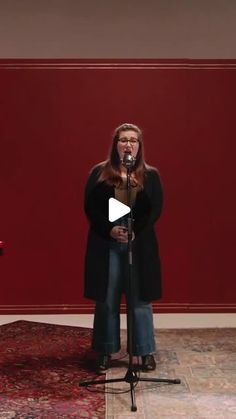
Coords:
56,121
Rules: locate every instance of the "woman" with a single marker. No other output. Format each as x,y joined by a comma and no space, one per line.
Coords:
106,262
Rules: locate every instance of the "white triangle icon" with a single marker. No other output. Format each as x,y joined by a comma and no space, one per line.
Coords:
116,209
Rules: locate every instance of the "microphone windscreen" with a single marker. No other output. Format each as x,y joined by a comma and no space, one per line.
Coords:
128,160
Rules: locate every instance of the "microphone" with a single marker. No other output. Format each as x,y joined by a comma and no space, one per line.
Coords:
128,160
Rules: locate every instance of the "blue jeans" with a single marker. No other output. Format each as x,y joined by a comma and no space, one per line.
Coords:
106,327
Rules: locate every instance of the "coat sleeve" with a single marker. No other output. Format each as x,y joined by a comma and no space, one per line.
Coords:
96,206
149,203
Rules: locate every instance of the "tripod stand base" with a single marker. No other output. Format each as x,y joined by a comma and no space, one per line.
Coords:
131,378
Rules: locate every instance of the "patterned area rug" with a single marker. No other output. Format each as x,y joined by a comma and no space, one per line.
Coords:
41,366
204,360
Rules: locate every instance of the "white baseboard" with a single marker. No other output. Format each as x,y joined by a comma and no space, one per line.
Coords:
161,321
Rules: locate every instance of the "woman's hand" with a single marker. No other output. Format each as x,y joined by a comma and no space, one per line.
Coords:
120,234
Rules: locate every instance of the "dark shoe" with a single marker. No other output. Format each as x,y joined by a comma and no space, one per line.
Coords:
103,362
148,363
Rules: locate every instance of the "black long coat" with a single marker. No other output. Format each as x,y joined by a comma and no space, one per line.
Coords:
146,211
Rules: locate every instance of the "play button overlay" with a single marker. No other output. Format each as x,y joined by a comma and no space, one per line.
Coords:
116,209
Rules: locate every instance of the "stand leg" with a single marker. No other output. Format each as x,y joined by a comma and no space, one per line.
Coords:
161,380
133,401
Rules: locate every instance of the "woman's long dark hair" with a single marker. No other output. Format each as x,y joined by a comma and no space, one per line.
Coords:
110,172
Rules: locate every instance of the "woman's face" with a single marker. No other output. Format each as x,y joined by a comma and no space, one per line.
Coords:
128,142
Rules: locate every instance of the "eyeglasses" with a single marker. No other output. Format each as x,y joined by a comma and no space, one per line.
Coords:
132,140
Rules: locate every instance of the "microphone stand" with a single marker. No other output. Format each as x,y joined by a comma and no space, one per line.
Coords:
131,376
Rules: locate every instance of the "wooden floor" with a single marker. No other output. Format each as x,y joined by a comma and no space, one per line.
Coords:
205,362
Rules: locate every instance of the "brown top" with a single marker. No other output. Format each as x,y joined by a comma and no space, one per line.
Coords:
121,192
